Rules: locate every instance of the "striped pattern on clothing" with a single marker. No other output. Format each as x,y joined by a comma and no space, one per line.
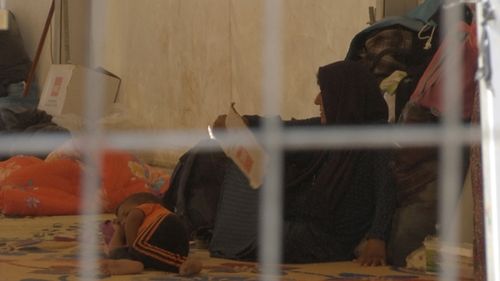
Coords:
162,241
142,245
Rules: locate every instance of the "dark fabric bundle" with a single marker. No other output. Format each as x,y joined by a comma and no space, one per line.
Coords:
14,61
18,119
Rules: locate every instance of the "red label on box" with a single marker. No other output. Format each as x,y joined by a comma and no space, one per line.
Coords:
57,86
244,158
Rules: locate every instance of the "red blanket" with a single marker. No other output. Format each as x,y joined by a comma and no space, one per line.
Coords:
32,187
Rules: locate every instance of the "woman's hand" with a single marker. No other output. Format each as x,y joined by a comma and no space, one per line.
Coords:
372,253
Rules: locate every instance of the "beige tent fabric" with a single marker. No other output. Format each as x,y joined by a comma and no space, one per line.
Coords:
183,62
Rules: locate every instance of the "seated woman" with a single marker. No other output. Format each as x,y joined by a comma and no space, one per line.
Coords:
334,198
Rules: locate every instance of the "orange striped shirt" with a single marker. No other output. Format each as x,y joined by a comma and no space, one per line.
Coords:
154,215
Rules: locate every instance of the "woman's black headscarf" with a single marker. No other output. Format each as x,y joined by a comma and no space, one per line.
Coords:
350,97
350,94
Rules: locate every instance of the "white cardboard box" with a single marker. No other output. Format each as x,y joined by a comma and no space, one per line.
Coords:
251,159
66,84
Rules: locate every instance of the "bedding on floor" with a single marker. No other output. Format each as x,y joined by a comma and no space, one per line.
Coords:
46,249
30,186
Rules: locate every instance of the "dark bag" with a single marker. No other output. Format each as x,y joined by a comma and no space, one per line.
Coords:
14,60
404,43
394,48
195,188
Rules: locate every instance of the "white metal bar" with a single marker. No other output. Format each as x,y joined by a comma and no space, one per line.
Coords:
270,211
91,146
489,35
451,157
292,138
451,136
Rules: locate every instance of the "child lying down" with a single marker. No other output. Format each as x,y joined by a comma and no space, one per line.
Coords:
147,235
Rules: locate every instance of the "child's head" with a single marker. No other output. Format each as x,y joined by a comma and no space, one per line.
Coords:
132,201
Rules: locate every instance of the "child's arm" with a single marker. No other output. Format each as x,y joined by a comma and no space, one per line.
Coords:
133,222
118,238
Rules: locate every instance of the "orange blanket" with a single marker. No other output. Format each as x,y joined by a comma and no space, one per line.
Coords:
32,187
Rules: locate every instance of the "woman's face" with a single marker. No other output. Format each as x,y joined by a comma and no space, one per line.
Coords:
319,101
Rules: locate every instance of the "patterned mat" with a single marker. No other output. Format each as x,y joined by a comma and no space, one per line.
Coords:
47,248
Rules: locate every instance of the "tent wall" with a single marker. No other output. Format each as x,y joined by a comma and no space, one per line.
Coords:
196,56
183,62
192,58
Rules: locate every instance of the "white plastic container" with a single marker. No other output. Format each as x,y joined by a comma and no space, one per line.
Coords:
461,254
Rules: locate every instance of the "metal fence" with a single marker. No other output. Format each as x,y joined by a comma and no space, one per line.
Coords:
450,135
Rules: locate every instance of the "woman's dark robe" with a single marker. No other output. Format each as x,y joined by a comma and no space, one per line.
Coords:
333,198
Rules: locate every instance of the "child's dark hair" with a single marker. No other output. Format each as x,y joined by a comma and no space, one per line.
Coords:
139,198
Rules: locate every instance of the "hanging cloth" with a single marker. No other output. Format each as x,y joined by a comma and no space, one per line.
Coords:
428,92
